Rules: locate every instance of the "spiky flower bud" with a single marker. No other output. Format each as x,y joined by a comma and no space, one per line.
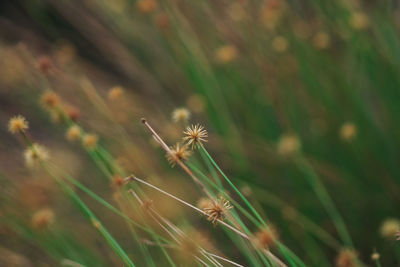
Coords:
73,133
90,141
17,124
180,115
33,155
42,218
178,152
195,135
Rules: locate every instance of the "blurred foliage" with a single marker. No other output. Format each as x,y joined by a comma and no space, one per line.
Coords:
300,99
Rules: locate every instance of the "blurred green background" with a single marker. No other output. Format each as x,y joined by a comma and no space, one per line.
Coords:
300,98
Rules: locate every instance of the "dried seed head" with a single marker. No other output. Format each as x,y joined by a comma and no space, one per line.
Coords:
180,115
34,154
347,258
178,152
267,237
288,145
226,54
375,256
162,21
73,133
17,124
195,103
90,141
217,209
73,113
146,6
45,65
280,44
348,131
359,21
195,135
49,100
42,218
321,40
389,228
115,93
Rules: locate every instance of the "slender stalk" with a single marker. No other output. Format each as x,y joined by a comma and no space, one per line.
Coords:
232,185
180,163
325,199
278,261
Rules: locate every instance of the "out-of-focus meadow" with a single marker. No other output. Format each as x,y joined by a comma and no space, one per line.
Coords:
298,163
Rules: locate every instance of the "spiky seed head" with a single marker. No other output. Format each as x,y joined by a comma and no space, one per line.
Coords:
288,145
73,113
45,65
321,40
226,53
42,218
146,6
195,103
180,115
375,256
266,237
73,133
115,93
90,141
163,21
347,258
359,21
389,228
178,152
280,44
33,155
49,100
195,135
348,131
217,210
17,124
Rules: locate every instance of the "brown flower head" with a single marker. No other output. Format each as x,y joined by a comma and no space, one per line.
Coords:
34,154
49,100
180,115
347,258
17,124
266,237
90,141
42,218
217,209
115,93
178,152
45,65
73,133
